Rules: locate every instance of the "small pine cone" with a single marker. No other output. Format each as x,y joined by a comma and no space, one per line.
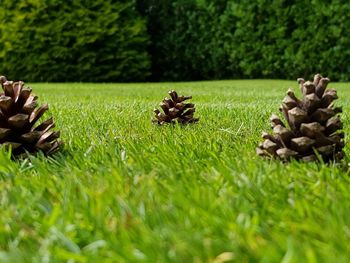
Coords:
175,110
18,115
313,125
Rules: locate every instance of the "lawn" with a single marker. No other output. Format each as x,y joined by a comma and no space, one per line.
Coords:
125,190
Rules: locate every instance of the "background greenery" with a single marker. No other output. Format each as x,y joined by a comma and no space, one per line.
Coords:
137,40
125,190
80,40
203,39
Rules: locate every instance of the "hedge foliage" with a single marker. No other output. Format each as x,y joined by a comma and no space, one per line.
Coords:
106,40
204,39
80,40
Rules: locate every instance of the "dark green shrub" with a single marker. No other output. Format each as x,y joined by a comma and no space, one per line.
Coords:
85,40
203,39
187,43
80,40
287,39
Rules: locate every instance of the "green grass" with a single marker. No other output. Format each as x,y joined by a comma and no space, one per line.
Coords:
124,190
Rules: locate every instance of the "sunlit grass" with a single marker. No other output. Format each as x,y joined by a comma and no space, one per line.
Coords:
125,190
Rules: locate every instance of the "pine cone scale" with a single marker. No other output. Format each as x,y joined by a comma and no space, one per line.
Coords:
333,125
311,102
296,116
36,114
23,96
321,87
286,153
31,137
4,133
5,104
18,121
283,132
8,88
302,144
46,125
311,129
323,115
47,136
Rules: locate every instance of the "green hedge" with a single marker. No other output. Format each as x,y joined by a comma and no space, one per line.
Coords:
203,39
187,43
110,40
80,40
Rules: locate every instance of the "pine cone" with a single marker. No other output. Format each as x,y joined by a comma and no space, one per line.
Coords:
175,110
313,125
18,115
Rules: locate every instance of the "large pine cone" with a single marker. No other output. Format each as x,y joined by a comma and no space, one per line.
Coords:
18,115
313,125
175,110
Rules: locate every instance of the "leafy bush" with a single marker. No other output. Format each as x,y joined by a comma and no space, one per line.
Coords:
202,39
186,39
85,40
82,40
